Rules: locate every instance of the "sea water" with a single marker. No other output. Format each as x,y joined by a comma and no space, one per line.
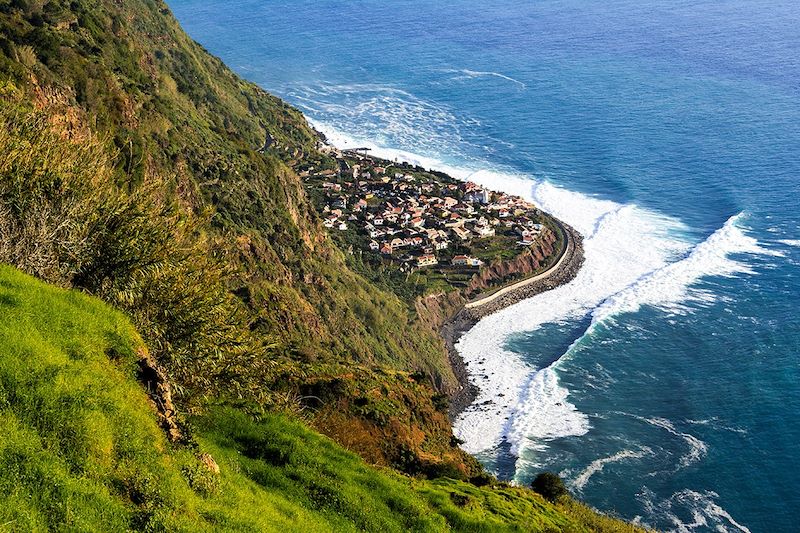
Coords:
663,383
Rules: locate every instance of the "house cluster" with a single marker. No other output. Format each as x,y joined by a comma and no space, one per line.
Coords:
421,219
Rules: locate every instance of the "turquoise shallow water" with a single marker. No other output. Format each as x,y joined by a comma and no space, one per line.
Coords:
664,383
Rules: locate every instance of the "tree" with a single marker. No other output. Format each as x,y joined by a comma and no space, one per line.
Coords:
549,485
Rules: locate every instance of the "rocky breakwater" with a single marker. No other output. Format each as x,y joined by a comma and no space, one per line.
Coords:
454,313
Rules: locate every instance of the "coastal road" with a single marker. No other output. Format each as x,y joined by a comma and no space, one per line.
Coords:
547,273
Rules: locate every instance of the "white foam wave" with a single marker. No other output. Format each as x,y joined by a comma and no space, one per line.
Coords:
689,510
471,74
697,448
599,464
790,242
671,287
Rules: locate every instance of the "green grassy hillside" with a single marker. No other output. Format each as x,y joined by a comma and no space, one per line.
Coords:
81,449
208,243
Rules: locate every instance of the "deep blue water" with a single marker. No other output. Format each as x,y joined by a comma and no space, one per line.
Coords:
669,134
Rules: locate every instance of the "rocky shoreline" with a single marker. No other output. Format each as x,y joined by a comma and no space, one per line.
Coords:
466,317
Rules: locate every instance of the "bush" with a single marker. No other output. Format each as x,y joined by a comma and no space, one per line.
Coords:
63,219
550,486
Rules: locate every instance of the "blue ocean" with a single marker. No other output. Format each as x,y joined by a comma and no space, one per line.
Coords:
663,383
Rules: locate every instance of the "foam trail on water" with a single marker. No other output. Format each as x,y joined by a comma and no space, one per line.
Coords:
697,448
715,423
471,74
599,464
690,510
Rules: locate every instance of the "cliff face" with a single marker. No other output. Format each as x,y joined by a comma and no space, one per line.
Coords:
435,309
526,263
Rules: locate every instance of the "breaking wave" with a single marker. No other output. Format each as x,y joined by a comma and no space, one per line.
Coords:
377,115
633,258
689,510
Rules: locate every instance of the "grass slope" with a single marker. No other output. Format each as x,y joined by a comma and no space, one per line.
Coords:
162,115
80,449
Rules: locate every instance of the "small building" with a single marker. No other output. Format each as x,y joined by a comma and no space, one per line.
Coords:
374,246
484,231
427,260
478,196
462,233
465,260
386,249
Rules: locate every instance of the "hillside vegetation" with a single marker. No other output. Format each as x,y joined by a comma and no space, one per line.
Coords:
131,166
134,170
81,449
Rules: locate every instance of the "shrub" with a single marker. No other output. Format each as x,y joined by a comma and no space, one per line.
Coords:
63,219
549,485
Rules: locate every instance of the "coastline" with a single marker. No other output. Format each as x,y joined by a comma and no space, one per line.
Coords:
564,271
470,312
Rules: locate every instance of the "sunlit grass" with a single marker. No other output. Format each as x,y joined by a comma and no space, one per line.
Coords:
80,449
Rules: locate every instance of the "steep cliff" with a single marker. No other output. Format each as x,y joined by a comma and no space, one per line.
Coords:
165,201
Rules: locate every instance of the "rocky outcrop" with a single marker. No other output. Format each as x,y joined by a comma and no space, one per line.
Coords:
155,382
208,463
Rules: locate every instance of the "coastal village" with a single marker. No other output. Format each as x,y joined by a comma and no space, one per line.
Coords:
419,219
